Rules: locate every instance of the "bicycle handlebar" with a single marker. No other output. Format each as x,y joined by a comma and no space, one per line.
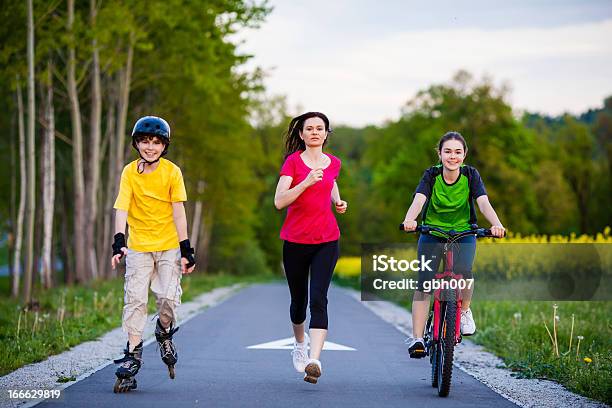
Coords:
426,230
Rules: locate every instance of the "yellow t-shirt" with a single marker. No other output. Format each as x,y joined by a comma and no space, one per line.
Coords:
148,200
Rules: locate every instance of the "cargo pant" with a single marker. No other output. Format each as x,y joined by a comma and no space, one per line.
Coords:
162,271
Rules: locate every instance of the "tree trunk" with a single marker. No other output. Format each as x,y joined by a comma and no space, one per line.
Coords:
117,154
93,178
31,197
22,197
197,216
66,247
48,182
80,254
125,78
107,227
13,199
203,248
39,216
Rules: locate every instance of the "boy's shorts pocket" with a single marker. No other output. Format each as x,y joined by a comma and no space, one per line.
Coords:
167,282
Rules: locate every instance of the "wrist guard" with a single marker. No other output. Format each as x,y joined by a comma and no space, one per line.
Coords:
187,252
118,244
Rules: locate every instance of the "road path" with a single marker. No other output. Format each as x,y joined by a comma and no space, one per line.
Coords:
217,369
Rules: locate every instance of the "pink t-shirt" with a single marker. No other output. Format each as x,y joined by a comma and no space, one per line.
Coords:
309,218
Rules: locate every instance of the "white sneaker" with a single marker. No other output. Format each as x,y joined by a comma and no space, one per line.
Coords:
468,326
416,347
300,354
313,371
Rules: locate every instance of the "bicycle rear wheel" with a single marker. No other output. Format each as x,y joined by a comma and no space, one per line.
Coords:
447,344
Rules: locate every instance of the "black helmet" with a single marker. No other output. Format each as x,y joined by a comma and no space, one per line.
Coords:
152,126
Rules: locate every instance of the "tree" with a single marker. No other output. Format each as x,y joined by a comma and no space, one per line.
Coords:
77,152
48,180
498,146
206,101
269,119
578,164
93,162
118,60
31,171
17,265
603,130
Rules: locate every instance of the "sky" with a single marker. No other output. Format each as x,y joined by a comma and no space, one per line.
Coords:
360,61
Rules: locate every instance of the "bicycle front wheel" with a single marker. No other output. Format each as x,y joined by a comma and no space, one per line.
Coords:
432,350
447,345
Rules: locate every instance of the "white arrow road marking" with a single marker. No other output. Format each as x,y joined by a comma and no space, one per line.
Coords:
287,344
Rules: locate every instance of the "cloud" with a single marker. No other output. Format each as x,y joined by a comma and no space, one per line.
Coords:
367,79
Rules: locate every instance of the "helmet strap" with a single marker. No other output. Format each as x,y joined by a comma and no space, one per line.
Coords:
144,163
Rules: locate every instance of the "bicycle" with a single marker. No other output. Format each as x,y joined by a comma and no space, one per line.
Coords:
443,328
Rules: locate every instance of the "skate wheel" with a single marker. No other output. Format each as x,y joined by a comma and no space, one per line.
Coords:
124,385
117,388
171,371
120,386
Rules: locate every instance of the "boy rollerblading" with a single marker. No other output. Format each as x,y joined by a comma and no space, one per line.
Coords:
158,252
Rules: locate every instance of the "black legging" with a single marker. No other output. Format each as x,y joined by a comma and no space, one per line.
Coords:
320,260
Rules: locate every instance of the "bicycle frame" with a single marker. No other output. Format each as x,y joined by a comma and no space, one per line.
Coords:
448,273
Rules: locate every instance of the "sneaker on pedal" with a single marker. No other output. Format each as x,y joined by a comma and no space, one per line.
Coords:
416,347
468,326
300,354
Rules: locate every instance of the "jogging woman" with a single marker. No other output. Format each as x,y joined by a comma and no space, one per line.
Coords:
307,186
446,197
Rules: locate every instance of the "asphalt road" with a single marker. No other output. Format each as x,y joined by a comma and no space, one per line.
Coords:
217,369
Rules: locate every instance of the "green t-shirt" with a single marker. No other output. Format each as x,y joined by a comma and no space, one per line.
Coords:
450,206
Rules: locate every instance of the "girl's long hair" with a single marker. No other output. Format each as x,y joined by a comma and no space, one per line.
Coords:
293,142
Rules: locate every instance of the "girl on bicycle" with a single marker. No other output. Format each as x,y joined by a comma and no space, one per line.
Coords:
445,199
307,186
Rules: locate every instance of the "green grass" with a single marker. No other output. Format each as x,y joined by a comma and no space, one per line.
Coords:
515,332
68,316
